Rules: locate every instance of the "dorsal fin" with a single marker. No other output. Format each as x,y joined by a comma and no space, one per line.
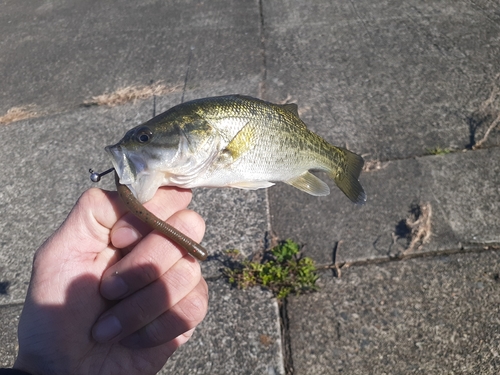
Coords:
291,107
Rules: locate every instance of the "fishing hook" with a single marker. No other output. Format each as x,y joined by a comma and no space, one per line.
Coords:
96,177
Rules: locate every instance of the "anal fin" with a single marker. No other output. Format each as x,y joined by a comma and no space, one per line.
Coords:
310,184
251,185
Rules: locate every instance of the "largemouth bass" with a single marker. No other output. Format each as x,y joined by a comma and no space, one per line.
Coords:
232,141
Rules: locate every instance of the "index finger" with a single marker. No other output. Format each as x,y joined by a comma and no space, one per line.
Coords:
128,230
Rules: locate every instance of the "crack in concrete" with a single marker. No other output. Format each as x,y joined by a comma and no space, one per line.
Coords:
186,77
14,303
262,85
485,14
471,249
377,165
286,345
285,336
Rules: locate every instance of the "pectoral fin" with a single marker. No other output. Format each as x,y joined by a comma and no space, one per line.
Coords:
242,141
310,184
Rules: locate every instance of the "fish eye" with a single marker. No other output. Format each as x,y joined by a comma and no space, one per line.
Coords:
143,135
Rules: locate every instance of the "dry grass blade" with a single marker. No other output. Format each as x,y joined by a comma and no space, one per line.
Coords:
130,93
374,165
487,133
490,107
18,114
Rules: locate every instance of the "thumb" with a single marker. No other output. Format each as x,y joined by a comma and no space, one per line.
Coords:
87,227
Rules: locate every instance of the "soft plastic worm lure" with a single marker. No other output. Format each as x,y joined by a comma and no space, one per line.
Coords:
136,207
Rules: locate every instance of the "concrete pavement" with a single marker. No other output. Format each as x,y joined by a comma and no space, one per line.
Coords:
391,80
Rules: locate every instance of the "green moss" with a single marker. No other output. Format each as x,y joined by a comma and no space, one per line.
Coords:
282,270
438,151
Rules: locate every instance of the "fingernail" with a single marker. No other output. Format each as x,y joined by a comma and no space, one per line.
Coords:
126,235
113,287
107,328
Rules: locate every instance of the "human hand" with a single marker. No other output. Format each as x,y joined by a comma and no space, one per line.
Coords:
107,295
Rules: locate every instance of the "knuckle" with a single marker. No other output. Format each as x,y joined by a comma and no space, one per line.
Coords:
187,275
140,311
190,223
195,308
91,197
177,198
156,333
146,270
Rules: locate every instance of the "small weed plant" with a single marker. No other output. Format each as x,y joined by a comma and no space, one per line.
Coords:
281,270
438,151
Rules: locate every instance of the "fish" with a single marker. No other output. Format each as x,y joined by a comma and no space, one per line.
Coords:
232,141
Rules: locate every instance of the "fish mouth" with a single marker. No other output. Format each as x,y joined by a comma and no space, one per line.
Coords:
133,172
123,167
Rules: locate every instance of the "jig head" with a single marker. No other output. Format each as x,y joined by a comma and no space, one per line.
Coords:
96,177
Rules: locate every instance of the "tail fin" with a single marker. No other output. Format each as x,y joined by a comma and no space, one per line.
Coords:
347,179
